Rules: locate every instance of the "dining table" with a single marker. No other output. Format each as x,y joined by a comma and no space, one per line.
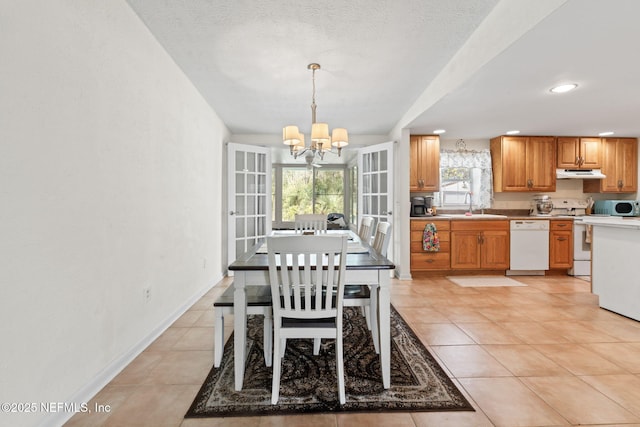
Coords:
364,266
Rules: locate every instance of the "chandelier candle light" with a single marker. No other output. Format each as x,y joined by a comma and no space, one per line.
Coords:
320,139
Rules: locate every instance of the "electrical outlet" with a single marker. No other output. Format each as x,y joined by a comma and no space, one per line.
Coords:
146,293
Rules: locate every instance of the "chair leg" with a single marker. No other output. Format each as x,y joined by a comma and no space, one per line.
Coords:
366,313
268,338
373,315
277,367
316,346
340,368
283,346
218,336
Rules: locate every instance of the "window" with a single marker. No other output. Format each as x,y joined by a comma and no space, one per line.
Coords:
302,190
353,198
465,177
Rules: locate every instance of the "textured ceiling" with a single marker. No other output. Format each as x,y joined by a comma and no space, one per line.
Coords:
474,67
249,58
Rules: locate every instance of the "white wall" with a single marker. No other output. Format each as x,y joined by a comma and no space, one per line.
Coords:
110,182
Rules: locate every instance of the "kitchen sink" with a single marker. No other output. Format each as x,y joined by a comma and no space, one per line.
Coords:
473,216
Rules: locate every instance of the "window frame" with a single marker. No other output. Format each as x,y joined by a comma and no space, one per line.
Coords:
276,194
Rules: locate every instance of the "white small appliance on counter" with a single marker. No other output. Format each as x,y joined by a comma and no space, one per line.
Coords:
544,205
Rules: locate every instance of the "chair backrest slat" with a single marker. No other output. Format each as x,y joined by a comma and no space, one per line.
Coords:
366,224
310,222
381,239
304,271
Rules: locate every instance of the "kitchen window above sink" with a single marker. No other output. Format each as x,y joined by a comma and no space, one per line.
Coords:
465,180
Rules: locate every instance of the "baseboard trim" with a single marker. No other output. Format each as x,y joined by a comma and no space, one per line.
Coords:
401,276
86,393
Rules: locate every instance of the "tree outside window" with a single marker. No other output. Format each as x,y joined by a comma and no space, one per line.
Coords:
306,191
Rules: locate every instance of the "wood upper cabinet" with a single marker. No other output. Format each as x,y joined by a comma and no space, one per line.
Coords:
524,163
619,165
579,153
561,244
425,163
478,245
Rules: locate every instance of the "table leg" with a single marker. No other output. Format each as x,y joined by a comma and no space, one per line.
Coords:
239,327
384,310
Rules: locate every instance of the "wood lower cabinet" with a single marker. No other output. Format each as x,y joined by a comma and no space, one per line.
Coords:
619,165
479,245
561,244
422,260
523,163
424,170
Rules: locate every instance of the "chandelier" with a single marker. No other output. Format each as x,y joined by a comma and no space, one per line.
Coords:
321,142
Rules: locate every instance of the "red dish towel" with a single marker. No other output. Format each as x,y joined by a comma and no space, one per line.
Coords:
430,240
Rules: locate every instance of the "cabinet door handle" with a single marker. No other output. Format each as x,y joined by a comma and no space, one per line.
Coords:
561,225
578,160
430,260
562,239
619,183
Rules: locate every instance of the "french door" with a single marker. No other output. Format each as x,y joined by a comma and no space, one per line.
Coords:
249,197
375,183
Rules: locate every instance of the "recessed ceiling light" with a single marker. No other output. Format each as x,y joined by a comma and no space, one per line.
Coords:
513,132
564,88
605,133
439,131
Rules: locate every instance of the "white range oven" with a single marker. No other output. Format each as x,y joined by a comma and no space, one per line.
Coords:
581,248
576,209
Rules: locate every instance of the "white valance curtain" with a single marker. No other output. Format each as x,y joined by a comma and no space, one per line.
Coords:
479,165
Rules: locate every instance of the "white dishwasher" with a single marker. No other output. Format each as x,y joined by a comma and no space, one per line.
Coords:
529,243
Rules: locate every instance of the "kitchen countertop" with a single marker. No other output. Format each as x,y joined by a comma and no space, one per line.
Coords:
613,221
494,217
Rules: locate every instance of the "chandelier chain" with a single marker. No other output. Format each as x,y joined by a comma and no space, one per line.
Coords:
313,67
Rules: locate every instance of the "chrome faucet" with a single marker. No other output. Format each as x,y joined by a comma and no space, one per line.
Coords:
470,201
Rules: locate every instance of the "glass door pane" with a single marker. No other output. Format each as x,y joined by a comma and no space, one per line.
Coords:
375,192
249,203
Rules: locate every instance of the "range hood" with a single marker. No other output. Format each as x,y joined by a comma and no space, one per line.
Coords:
579,174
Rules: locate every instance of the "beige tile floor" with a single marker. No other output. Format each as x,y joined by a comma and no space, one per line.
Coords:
540,355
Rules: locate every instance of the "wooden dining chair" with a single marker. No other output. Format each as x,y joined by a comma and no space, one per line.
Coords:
366,225
307,277
310,222
366,296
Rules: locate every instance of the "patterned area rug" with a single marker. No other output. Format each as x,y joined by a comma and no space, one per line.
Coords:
308,383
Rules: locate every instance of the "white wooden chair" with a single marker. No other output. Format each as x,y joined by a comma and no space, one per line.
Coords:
366,296
310,222
382,237
258,302
366,225
307,276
